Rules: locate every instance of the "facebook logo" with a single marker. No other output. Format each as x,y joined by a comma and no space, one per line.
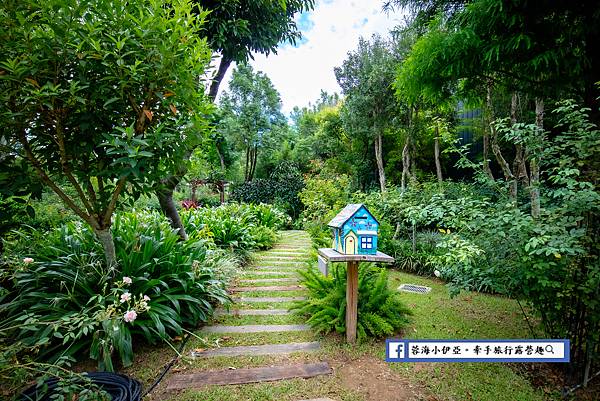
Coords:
395,349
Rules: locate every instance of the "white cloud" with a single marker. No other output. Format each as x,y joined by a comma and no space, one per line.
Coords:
299,73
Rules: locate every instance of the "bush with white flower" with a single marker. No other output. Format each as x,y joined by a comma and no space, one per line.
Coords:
115,320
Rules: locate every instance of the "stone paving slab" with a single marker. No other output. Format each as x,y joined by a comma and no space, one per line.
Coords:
255,328
252,312
268,288
268,280
251,350
268,299
286,273
286,268
251,375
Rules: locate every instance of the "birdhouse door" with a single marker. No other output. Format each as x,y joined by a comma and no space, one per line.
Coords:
350,244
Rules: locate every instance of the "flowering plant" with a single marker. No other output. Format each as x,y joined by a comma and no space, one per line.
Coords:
115,317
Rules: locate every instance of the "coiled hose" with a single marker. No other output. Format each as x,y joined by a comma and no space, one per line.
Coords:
120,387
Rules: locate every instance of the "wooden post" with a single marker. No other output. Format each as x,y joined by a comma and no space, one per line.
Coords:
332,256
351,301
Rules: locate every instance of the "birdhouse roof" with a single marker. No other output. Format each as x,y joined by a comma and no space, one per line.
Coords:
346,213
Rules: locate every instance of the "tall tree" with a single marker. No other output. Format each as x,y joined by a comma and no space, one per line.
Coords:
100,97
519,46
252,114
366,78
235,29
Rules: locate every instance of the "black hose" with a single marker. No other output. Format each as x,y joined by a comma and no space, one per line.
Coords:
168,367
119,387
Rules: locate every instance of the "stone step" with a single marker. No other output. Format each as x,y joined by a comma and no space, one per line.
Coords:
278,257
268,299
247,375
252,312
288,268
267,280
287,273
255,328
268,288
251,350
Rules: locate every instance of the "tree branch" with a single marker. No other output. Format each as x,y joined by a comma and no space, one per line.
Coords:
113,201
48,181
214,86
67,170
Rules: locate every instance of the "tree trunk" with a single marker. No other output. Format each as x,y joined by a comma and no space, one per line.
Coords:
436,155
165,194
165,199
405,164
406,152
246,171
519,166
509,177
254,160
379,158
508,174
534,167
106,239
486,153
221,158
486,132
214,86
413,146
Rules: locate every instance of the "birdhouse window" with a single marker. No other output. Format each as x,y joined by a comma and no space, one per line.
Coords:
366,242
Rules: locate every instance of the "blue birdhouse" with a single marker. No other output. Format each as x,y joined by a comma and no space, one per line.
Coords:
355,231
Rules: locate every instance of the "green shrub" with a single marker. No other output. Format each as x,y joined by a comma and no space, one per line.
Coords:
229,226
323,198
281,188
68,282
237,227
263,237
380,311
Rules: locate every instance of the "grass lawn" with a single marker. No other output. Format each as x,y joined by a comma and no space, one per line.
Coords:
359,372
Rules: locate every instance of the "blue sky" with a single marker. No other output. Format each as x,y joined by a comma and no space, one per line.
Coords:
329,32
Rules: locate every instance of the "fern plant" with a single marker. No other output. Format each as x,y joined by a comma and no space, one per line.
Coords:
380,311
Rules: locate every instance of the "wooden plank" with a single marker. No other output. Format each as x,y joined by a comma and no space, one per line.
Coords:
251,350
351,301
252,312
334,256
250,375
255,328
268,299
319,399
268,288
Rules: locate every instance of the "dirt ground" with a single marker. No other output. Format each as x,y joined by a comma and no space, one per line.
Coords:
373,378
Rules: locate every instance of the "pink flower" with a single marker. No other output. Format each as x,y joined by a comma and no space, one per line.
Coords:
130,316
146,298
125,297
127,280
27,260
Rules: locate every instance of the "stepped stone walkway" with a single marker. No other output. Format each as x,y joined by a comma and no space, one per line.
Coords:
271,281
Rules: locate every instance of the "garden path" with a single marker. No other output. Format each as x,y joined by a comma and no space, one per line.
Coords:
263,294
